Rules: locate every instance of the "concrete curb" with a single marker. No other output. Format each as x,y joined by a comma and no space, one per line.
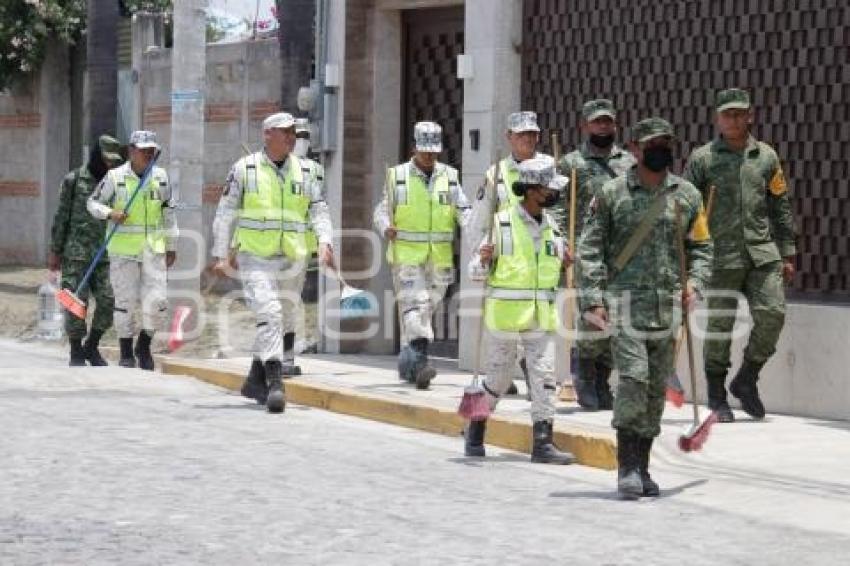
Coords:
591,448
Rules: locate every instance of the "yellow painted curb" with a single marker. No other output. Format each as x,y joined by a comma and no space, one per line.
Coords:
591,448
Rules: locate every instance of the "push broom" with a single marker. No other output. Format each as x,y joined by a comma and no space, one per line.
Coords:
695,436
675,393
474,405
70,300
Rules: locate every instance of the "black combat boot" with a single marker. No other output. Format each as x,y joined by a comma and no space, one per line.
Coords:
603,389
276,400
423,373
650,488
127,360
143,351
629,484
473,438
78,355
255,386
585,384
288,368
717,397
745,389
406,363
90,348
543,450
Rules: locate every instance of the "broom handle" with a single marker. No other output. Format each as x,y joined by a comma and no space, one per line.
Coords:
683,278
709,207
145,176
497,171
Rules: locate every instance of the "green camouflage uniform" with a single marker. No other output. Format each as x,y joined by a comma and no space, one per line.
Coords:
592,171
753,228
76,236
642,297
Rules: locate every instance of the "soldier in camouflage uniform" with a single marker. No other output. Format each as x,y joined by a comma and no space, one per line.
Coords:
596,162
641,290
76,236
753,231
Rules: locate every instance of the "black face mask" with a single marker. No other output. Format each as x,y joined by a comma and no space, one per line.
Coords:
550,200
96,164
602,141
657,158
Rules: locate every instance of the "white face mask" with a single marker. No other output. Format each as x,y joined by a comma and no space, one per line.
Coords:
302,146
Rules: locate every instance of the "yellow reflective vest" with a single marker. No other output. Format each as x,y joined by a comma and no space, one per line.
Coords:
144,223
522,288
425,220
273,218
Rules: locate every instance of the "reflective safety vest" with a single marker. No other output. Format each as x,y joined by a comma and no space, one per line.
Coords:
312,169
273,217
425,221
521,291
144,219
506,177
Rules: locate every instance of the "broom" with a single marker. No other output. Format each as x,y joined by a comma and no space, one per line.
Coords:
695,436
353,302
70,300
675,393
474,405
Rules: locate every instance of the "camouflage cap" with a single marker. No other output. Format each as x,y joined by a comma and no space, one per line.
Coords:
110,149
650,128
428,137
732,98
523,122
558,183
537,171
593,109
280,120
143,139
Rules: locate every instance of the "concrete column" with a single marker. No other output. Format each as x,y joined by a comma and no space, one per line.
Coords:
188,88
144,29
493,35
55,106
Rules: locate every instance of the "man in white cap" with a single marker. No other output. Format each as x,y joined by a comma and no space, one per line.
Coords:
523,271
523,135
274,198
423,205
142,248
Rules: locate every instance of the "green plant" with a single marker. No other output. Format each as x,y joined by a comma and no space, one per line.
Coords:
25,28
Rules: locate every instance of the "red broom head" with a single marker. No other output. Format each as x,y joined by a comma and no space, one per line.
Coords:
474,405
696,436
175,336
71,303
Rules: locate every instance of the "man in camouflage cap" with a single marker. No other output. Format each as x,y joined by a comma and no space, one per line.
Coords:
523,270
75,239
522,135
754,239
422,207
598,160
631,280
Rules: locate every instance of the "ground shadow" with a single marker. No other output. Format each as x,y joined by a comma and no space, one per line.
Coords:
475,460
611,494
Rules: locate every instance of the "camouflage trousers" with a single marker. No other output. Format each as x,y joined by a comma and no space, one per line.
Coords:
272,288
98,286
501,355
763,288
644,362
419,289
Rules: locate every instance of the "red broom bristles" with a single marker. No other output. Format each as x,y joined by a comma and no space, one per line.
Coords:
474,405
675,393
696,436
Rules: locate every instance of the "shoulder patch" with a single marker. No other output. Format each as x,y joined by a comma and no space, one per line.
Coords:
777,185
